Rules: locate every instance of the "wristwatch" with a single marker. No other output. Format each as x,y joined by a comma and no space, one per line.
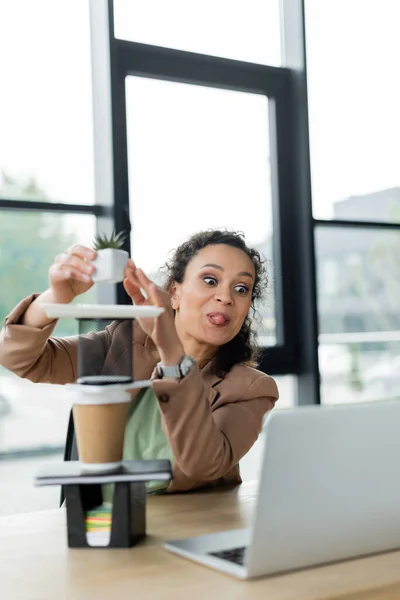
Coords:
176,371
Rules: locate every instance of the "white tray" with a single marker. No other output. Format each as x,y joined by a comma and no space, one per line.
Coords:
100,311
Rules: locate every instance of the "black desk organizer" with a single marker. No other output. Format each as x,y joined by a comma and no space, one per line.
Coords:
83,492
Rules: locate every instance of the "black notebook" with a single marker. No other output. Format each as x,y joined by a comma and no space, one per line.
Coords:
131,470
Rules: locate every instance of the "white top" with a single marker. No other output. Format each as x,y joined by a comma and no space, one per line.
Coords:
100,311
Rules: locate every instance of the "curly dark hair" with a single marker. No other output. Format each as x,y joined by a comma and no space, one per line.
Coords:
243,347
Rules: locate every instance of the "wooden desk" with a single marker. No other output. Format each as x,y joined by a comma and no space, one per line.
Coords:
36,564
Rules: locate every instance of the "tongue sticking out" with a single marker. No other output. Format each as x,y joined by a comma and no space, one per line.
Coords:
218,319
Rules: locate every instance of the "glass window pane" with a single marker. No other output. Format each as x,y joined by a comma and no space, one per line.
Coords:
198,159
248,31
29,242
33,417
46,132
353,51
358,297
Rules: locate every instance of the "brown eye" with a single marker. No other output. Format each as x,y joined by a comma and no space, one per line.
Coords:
211,281
242,290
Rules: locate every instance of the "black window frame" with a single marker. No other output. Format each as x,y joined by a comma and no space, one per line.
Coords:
293,226
127,58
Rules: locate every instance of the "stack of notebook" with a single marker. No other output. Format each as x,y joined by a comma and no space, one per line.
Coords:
98,525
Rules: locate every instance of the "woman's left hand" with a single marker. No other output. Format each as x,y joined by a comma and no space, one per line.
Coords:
161,329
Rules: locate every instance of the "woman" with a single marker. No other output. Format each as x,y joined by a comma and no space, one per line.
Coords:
206,406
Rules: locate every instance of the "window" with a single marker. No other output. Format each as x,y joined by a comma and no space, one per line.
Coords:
46,166
29,242
33,417
353,51
248,31
328,275
359,349
46,141
198,158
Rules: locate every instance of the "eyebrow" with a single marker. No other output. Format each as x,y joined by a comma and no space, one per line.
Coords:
214,266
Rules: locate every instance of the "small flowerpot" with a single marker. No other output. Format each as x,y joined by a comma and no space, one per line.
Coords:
110,265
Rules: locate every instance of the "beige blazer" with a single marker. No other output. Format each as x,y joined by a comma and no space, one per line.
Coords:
210,422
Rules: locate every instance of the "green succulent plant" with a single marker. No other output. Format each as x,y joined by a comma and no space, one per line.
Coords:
115,240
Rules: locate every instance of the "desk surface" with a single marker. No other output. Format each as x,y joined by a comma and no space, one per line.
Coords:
36,564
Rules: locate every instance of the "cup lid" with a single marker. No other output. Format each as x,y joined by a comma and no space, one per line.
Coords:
104,394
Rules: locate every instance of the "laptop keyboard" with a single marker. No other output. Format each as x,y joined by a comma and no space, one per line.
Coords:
235,555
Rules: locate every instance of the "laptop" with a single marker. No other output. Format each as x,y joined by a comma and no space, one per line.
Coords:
329,490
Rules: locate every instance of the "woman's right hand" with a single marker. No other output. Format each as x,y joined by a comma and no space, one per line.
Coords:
71,273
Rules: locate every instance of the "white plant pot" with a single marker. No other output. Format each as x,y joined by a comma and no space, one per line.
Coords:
110,265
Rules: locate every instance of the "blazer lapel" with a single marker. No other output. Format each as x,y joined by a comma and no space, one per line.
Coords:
213,380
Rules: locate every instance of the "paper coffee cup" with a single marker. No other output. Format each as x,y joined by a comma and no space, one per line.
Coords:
100,422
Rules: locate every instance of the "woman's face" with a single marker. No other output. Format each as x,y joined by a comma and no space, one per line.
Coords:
215,296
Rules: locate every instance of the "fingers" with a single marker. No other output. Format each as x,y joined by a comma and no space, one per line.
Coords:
144,281
130,271
82,252
74,263
137,284
132,285
131,264
131,275
67,271
134,292
155,296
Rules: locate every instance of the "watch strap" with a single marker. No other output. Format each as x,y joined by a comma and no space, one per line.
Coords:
164,371
176,371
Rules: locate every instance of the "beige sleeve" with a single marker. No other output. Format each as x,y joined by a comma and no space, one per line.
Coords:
207,443
30,352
